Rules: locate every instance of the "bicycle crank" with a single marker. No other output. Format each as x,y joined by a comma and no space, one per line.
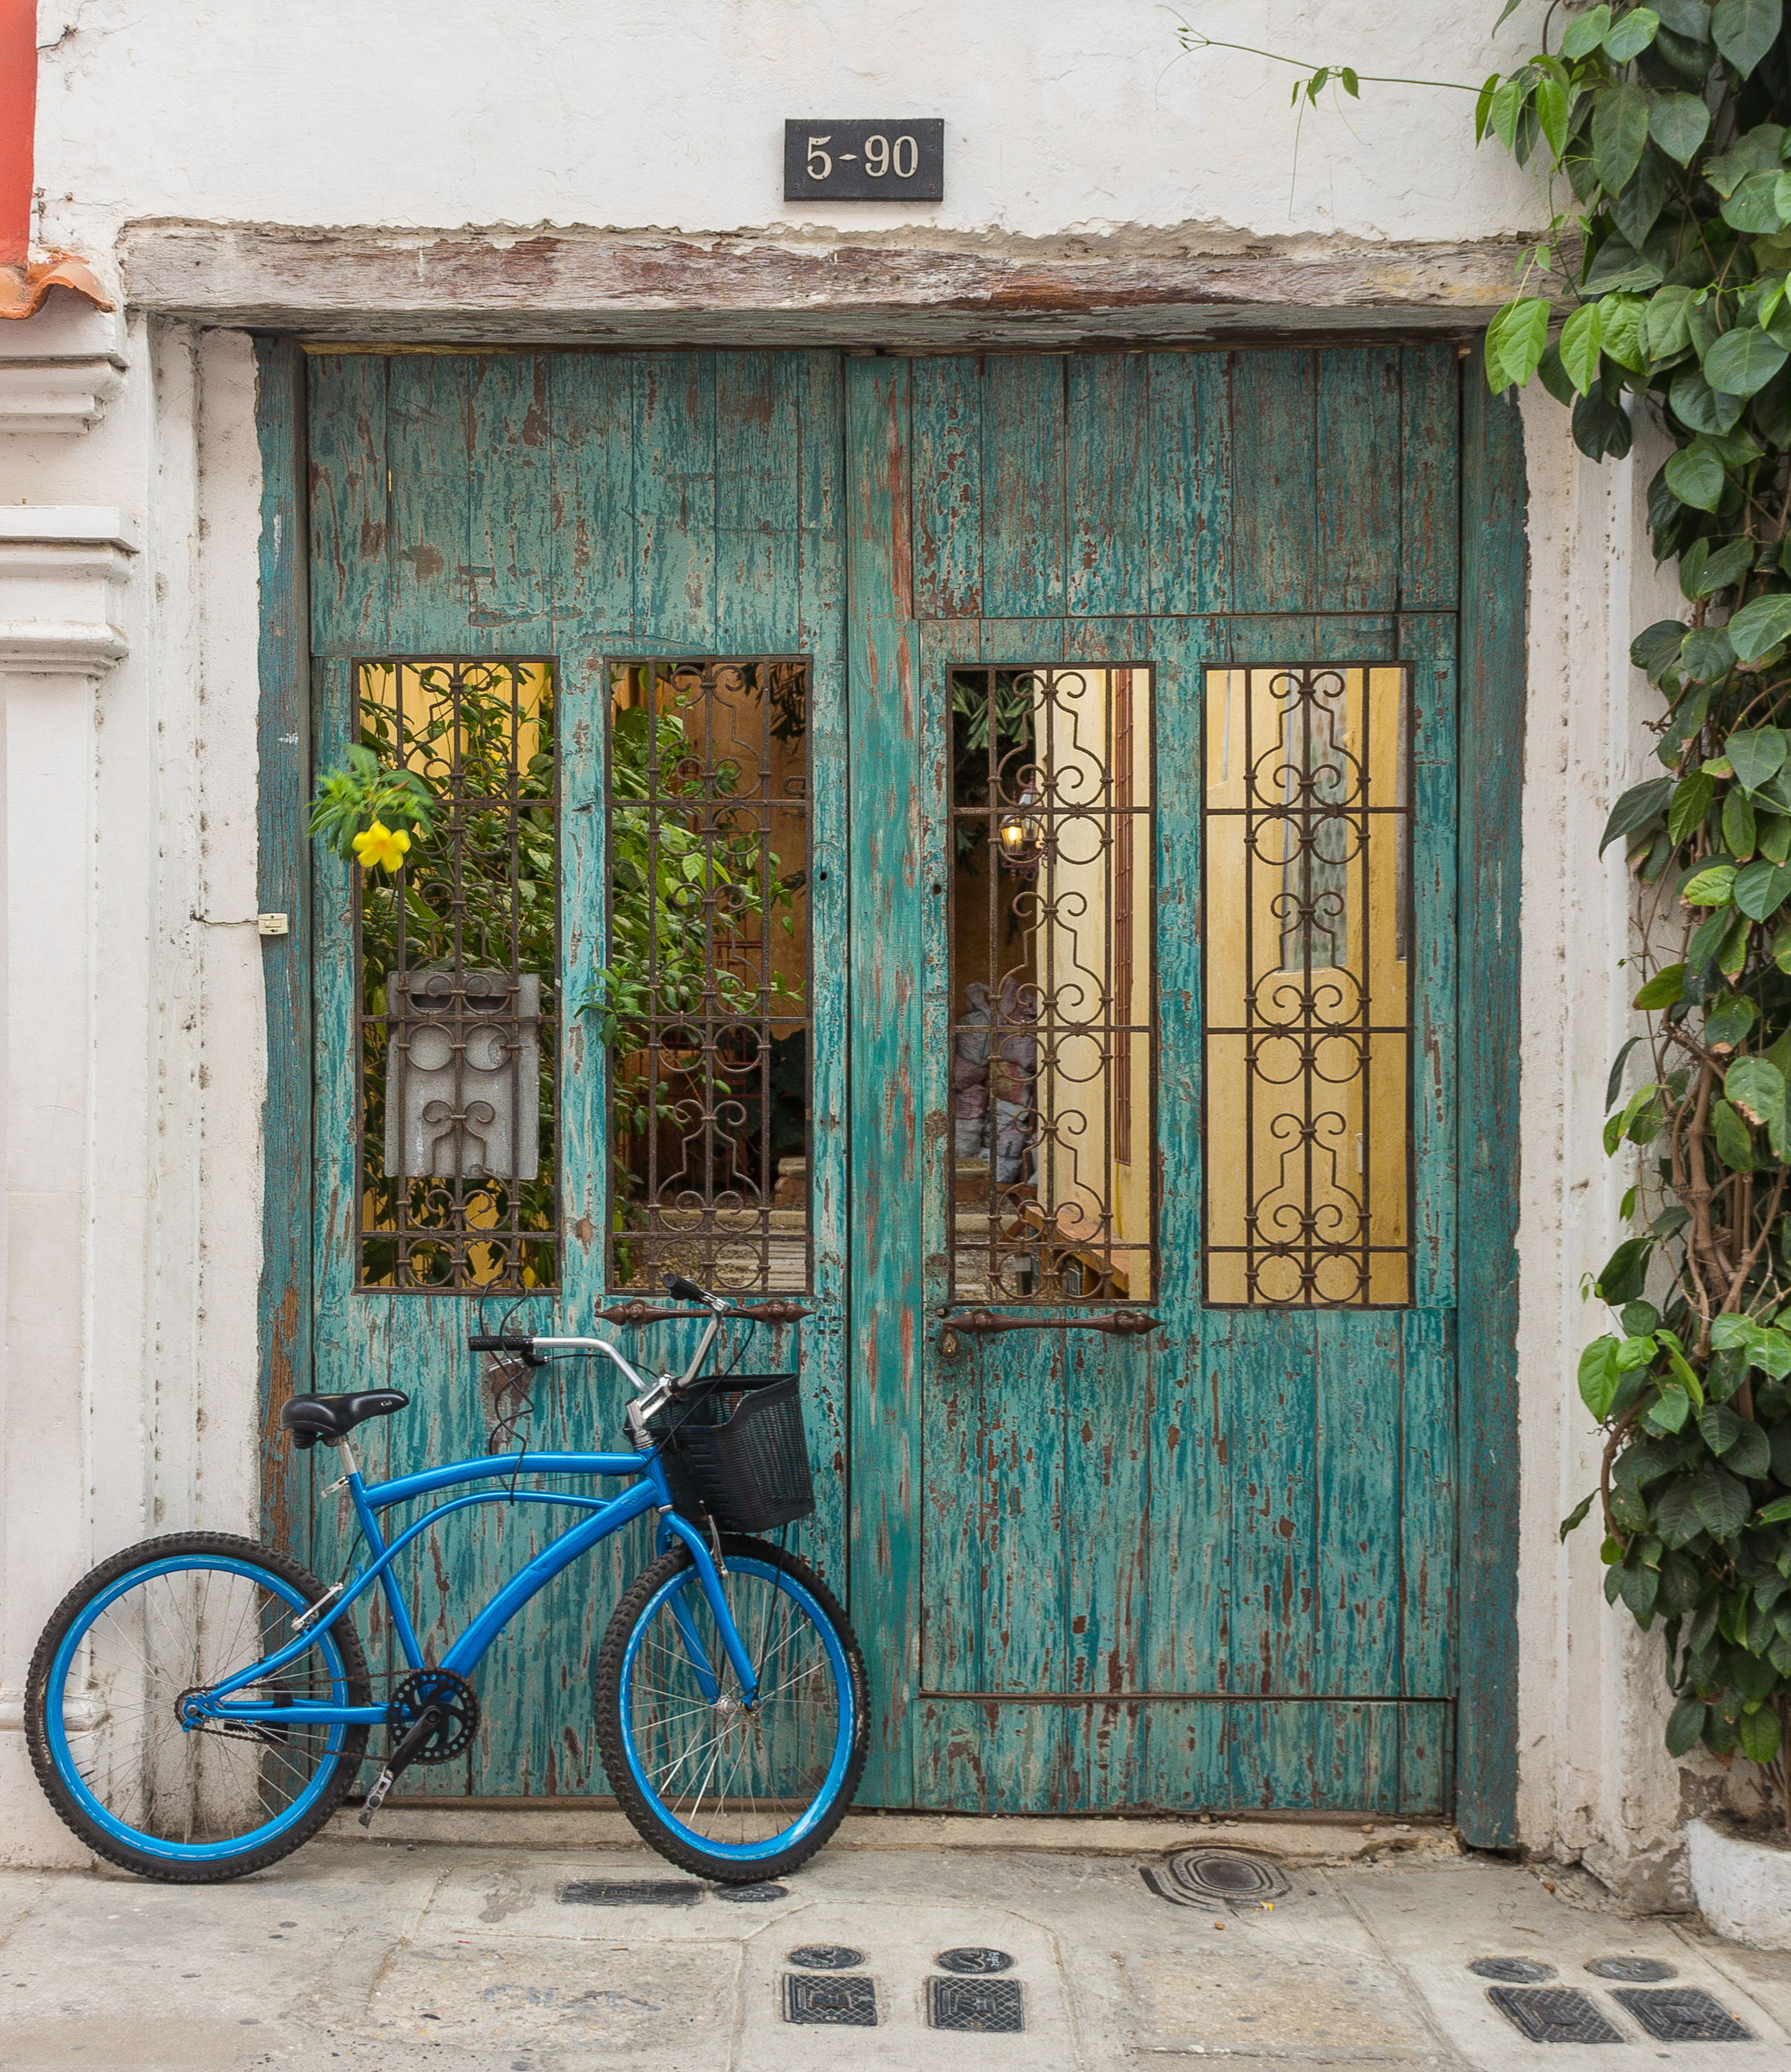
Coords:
435,1715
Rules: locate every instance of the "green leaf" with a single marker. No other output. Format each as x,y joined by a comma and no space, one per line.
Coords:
1775,1513
1619,129
1698,408
1663,990
1599,1376
1692,799
1743,30
1576,1516
1666,327
1638,1586
1695,475
1514,339
1585,32
1734,1146
1761,888
1676,1514
1753,208
1728,564
1722,1502
1688,17
1760,626
1624,1272
1720,1425
1749,1453
1707,655
1742,361
1679,123
1713,887
1730,1020
1757,753
1631,34
1581,349
1685,1729
1637,807
1760,1732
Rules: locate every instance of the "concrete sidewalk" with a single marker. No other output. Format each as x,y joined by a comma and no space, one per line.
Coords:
389,1956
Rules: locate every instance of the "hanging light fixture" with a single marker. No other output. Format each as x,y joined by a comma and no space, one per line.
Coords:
1020,835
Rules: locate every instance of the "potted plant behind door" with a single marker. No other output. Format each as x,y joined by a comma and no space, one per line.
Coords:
1665,122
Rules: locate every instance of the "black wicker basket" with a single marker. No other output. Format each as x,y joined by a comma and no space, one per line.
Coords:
738,1453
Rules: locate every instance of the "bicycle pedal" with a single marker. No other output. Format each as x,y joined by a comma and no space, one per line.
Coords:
376,1797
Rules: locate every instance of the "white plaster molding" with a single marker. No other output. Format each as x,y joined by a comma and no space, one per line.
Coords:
60,565
59,369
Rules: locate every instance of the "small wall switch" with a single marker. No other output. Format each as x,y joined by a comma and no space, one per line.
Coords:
272,924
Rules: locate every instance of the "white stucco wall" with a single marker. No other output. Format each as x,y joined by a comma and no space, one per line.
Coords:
1061,118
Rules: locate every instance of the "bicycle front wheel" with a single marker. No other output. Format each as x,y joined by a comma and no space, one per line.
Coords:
190,1804
734,1793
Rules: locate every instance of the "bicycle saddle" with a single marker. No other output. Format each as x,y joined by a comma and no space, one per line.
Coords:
310,1418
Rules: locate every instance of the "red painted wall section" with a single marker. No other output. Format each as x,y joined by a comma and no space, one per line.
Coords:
25,281
18,123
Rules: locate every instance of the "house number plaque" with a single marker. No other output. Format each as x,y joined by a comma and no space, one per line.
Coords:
874,161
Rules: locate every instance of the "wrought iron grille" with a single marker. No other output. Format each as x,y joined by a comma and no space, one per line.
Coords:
1307,987
705,991
456,960
1052,999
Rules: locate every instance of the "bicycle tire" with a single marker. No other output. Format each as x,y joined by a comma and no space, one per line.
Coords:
646,1599
58,1771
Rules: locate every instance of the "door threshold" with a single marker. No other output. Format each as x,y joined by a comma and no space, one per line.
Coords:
1296,1838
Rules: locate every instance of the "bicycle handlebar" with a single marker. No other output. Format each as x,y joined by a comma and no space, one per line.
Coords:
505,1344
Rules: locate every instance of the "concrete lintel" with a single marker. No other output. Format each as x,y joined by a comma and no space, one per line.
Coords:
601,287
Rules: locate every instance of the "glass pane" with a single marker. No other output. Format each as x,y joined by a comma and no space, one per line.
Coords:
457,961
1053,1064
705,994
1308,993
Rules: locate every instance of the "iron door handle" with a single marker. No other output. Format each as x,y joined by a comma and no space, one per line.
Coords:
1116,1323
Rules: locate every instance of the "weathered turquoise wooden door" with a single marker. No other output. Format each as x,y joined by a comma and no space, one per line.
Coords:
1062,750
594,604
1153,707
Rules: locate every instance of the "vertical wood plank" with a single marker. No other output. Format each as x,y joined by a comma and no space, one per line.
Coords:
282,740
509,577
1358,1372
1356,478
1108,481
1429,1503
1190,466
1430,478
1493,636
675,499
1022,460
946,486
756,501
1274,547
430,448
885,956
350,567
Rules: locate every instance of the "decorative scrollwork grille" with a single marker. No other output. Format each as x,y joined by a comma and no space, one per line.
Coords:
1052,1000
1307,987
458,957
704,995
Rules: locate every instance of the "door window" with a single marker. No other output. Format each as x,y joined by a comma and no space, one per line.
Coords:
704,995
457,957
1052,1064
1307,987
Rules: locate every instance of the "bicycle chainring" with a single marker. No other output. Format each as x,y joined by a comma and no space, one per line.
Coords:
457,1709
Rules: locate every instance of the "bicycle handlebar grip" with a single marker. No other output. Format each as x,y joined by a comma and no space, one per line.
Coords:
501,1345
687,1290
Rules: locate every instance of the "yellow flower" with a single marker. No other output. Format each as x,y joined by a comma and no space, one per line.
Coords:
381,848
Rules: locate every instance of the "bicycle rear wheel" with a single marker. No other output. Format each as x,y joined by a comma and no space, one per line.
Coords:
189,1805
731,1794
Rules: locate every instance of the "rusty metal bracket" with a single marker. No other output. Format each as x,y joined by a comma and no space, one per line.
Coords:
637,1311
1116,1323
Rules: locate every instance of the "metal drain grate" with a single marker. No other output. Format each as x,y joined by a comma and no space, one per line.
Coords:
1552,2014
1634,1971
1216,1878
631,1892
751,1895
1682,2014
979,2006
841,2002
975,1962
825,1957
1512,1971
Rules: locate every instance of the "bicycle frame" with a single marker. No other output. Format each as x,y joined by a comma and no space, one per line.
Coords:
651,1492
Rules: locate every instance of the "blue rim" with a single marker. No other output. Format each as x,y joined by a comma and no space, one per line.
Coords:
846,1707
61,1756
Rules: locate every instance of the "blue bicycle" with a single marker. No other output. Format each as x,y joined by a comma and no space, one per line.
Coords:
199,1704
